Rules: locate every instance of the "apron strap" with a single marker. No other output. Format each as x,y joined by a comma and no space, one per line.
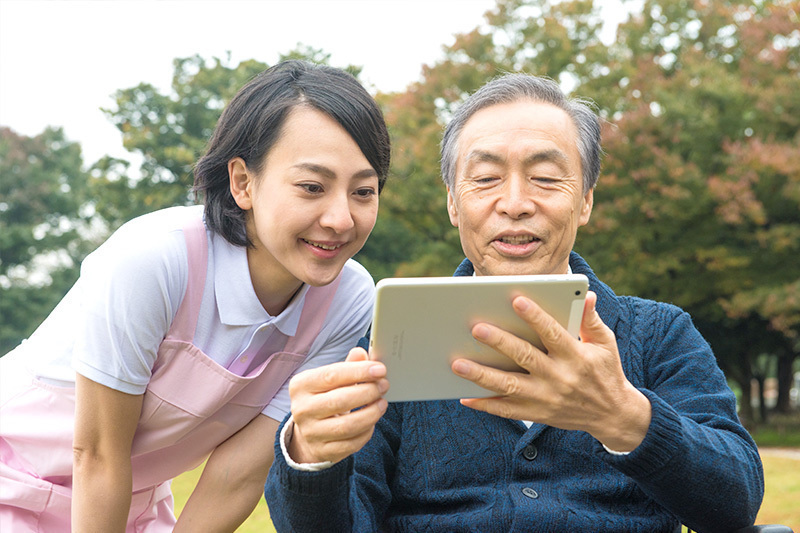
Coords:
185,322
315,307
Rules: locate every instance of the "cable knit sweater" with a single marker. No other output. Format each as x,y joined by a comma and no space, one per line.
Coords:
439,466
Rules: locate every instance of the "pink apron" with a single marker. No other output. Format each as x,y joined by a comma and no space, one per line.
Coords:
191,405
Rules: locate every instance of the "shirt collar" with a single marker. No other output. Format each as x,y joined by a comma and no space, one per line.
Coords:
569,271
237,303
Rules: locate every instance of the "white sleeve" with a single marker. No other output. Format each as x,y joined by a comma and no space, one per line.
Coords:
285,437
132,286
348,319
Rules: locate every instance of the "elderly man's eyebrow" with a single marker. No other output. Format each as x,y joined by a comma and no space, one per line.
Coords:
482,156
555,156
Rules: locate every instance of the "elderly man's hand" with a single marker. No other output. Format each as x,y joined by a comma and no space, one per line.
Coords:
575,384
328,424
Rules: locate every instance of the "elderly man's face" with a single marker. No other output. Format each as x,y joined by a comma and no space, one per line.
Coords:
518,195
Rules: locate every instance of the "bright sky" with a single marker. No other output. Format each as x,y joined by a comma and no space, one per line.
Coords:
62,60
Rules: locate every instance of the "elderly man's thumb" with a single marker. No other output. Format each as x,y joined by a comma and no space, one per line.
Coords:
593,329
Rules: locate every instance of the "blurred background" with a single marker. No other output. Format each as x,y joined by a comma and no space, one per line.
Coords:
105,106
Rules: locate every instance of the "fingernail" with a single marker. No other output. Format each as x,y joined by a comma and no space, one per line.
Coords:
480,332
377,371
461,368
522,303
383,386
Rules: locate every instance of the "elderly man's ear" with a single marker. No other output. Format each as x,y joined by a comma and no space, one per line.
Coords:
586,207
452,210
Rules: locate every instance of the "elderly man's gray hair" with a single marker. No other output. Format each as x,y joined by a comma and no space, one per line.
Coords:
513,88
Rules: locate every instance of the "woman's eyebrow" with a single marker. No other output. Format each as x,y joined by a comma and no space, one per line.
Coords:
366,173
316,169
330,174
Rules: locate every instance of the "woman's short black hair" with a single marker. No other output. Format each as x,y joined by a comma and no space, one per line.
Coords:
251,124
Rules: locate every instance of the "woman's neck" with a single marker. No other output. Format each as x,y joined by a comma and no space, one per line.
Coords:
272,289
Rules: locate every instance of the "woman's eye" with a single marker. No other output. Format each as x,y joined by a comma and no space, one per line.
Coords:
365,192
313,188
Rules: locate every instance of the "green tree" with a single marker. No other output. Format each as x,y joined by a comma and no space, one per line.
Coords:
52,212
560,40
698,201
169,132
44,227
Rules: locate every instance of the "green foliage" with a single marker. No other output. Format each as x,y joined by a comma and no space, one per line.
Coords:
52,212
701,173
169,132
43,227
697,203
699,197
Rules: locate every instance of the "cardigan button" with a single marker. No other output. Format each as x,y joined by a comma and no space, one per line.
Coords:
530,452
530,493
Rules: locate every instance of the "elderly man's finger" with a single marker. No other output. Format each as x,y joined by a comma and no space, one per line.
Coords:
518,350
552,334
499,406
498,381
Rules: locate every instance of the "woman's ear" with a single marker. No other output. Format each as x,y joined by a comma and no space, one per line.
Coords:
241,183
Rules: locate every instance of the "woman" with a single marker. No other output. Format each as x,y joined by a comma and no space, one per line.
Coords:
177,342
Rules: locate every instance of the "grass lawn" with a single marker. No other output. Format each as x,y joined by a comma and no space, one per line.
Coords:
782,480
780,506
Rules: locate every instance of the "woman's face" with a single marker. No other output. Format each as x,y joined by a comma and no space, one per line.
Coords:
311,207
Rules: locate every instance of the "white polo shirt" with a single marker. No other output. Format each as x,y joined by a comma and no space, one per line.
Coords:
109,326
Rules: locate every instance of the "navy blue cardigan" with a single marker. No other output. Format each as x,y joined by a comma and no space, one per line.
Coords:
439,466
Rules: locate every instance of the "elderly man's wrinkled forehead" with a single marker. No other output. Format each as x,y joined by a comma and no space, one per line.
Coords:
523,131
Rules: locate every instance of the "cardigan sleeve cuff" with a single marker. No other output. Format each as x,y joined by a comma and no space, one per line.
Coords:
661,444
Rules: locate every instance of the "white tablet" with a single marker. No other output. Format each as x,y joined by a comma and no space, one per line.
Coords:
420,325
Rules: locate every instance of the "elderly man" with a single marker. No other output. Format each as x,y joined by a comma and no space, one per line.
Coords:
630,428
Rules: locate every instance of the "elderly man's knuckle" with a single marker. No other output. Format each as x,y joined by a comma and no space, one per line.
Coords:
477,374
504,411
525,358
511,384
552,330
567,386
